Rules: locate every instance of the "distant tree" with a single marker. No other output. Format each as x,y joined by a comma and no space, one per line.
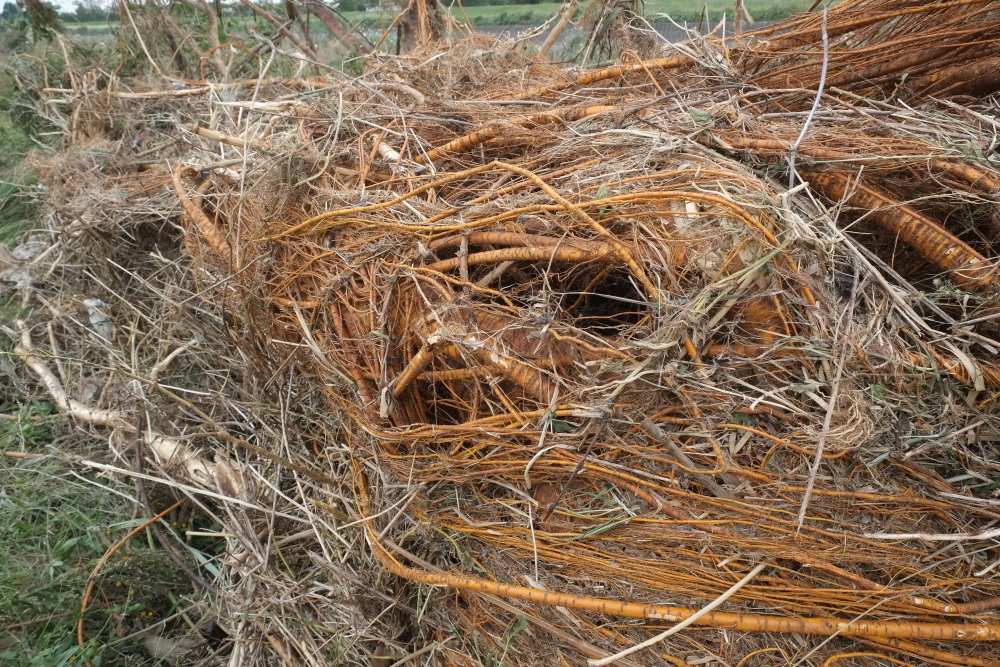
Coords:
11,12
90,10
350,5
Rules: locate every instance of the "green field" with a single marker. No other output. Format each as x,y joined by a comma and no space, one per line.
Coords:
499,15
679,10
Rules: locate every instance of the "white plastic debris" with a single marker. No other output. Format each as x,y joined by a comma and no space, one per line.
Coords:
99,319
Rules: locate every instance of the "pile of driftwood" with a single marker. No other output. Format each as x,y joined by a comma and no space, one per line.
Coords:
692,358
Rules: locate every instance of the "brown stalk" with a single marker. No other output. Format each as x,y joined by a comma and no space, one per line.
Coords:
976,178
513,188
474,139
213,55
336,28
532,380
524,255
565,16
605,74
978,78
195,214
827,626
966,267
280,27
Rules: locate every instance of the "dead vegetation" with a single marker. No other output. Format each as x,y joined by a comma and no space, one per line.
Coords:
482,361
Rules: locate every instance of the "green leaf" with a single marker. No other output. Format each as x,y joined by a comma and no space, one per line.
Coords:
743,419
559,426
66,547
205,562
519,624
700,117
878,392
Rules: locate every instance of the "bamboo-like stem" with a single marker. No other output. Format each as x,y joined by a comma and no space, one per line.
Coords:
525,255
966,267
972,176
417,364
482,136
564,18
604,74
690,620
825,626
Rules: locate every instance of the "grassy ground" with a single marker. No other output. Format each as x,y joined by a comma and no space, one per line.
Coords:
55,524
52,528
47,517
55,521
93,27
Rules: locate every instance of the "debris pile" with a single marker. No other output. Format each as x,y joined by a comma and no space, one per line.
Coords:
605,347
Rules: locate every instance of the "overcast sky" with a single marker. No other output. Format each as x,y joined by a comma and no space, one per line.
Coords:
65,5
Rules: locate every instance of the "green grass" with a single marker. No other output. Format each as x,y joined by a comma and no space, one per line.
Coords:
90,27
760,10
509,14
56,522
49,534
16,210
14,142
